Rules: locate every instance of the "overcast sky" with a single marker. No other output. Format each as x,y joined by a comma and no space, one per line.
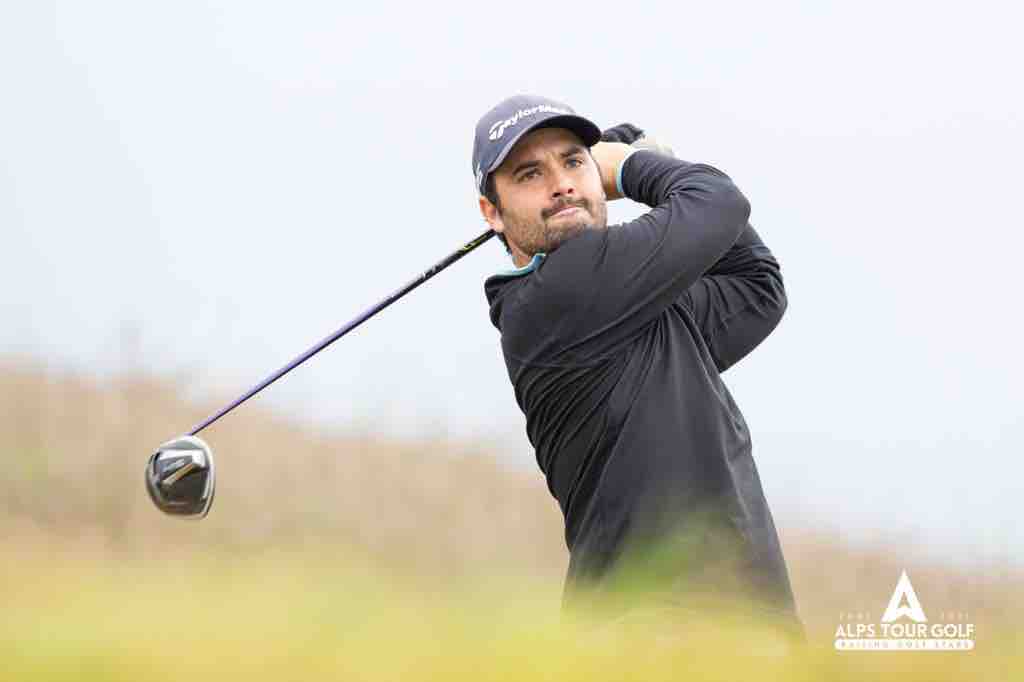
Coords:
227,183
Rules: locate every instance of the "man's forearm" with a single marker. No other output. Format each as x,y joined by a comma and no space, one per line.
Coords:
609,157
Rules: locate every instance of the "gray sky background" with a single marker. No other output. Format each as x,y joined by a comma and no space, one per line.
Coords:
231,182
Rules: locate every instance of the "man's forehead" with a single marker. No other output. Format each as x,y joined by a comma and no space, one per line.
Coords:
538,142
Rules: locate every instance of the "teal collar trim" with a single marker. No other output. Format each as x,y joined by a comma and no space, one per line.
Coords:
537,259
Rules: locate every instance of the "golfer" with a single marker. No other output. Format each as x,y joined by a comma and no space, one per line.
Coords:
615,339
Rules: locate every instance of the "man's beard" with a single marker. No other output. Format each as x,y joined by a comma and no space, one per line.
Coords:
540,236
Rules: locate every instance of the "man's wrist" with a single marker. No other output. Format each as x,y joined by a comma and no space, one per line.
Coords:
618,173
609,157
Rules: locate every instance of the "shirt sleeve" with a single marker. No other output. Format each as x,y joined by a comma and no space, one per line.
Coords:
603,286
739,301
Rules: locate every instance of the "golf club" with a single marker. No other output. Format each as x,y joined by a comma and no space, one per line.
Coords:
180,475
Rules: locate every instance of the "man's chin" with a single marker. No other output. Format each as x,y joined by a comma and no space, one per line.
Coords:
560,233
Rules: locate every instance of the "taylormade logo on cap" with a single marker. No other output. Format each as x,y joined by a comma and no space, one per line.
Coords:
498,128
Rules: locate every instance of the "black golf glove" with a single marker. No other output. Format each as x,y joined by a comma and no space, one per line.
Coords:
626,133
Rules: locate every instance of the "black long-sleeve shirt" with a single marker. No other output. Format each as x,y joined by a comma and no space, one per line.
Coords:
614,343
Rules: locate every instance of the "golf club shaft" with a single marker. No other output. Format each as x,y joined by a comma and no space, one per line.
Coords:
438,267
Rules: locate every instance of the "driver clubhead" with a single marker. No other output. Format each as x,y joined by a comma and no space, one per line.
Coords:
181,477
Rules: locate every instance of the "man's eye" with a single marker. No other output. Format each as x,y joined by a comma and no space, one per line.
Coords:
527,175
575,162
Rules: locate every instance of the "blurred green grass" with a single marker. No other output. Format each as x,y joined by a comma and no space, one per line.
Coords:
369,558
293,616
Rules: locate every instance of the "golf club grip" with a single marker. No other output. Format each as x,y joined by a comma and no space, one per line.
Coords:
349,326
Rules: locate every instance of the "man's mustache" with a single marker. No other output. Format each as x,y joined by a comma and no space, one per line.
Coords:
581,203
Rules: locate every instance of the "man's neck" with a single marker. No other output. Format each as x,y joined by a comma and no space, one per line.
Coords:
519,258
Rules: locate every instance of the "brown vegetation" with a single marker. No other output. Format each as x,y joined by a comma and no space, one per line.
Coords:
74,448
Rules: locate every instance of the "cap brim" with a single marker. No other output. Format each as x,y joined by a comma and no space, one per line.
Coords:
584,129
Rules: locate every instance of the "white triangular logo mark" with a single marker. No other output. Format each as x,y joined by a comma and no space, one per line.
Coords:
904,593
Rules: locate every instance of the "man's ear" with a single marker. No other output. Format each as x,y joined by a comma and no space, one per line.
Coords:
490,213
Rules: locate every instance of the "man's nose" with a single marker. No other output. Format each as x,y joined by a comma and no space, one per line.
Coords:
562,183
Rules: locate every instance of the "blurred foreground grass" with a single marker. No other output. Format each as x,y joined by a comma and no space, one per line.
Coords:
371,559
290,616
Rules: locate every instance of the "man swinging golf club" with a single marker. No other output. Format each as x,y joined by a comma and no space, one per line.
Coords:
614,339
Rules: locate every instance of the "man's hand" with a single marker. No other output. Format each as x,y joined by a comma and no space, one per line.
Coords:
626,133
653,145
615,144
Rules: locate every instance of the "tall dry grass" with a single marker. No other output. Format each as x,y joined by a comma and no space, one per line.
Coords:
433,512
75,450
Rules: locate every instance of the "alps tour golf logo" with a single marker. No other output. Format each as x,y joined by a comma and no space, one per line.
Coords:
904,626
